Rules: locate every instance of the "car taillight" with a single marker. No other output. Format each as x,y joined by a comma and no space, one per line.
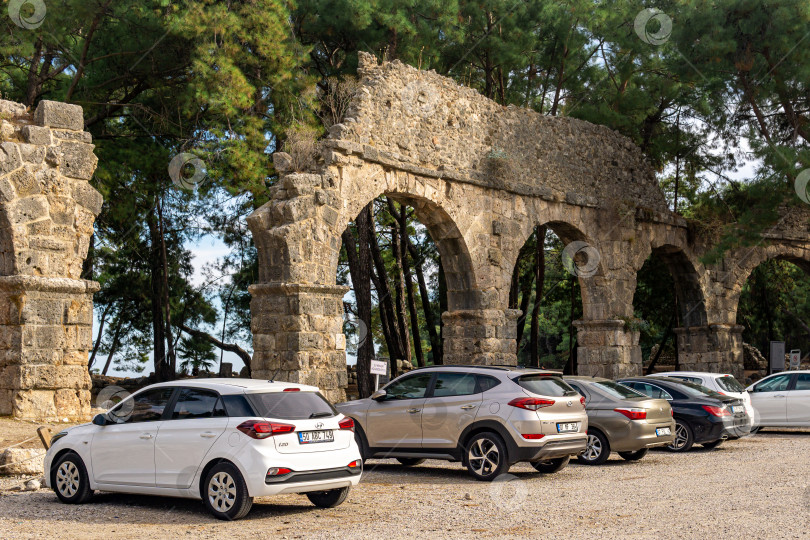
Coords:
716,411
671,411
530,403
278,471
532,436
346,423
291,390
582,400
633,414
258,429
354,464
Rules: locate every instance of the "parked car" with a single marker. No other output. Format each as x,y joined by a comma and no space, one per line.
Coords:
487,417
702,415
224,441
782,400
722,383
621,420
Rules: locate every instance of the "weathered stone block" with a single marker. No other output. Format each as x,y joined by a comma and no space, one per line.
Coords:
36,135
87,196
59,115
77,160
22,461
10,158
32,153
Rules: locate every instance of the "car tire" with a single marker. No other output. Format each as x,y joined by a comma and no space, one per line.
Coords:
328,499
410,462
712,445
684,438
634,456
225,493
486,457
360,439
69,479
551,466
598,450
755,430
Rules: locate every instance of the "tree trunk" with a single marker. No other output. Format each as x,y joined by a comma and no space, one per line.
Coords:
156,293
571,366
442,305
525,296
230,347
102,321
406,269
430,320
171,357
394,341
402,321
113,347
539,275
663,342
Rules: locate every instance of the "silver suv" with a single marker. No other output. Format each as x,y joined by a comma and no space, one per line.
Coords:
487,417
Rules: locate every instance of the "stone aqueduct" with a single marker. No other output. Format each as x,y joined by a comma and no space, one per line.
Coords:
480,176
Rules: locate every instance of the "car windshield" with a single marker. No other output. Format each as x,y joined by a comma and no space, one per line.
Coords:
696,390
546,385
291,405
617,390
730,384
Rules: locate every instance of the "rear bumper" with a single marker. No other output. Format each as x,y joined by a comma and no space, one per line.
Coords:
337,473
716,429
570,446
641,434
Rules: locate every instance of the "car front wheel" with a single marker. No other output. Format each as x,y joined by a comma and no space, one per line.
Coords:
69,479
684,439
485,456
226,495
551,466
328,499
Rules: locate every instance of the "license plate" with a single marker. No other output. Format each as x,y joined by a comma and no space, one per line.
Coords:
570,427
309,437
663,431
736,409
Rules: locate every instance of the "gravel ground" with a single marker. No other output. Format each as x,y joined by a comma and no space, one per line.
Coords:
752,488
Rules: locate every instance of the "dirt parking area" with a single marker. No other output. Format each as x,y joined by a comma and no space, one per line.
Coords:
752,488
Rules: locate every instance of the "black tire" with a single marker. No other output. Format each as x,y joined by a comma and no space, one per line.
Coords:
684,437
551,466
634,456
410,462
69,479
712,445
755,430
486,457
225,493
360,439
598,449
328,499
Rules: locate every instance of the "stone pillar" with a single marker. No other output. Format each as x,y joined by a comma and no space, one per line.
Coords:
716,348
607,348
480,336
298,335
47,210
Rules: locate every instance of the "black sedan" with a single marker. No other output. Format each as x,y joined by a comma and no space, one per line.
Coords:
702,416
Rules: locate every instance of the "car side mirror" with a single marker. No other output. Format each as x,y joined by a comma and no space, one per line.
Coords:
379,395
100,420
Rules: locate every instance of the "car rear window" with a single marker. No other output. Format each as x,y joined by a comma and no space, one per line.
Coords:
696,390
617,390
730,384
546,385
291,405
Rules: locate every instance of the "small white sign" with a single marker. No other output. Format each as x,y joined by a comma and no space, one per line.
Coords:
795,358
379,367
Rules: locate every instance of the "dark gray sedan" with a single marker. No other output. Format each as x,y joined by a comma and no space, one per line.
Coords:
621,420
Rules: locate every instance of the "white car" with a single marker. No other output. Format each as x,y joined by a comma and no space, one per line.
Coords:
724,383
782,399
224,441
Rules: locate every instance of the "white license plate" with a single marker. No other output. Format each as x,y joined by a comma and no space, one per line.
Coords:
737,409
663,431
309,437
570,427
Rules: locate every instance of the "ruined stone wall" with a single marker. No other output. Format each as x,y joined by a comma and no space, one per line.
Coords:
47,210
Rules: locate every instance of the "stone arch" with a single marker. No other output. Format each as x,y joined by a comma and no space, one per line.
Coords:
686,275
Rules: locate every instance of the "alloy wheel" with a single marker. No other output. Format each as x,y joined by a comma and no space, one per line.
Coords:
222,492
484,457
594,448
67,479
681,437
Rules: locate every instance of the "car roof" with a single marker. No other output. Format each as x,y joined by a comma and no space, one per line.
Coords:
476,368
691,373
236,386
585,378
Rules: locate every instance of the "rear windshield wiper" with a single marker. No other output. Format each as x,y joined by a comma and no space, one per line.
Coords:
320,414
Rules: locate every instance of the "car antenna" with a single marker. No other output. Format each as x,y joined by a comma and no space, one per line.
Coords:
273,378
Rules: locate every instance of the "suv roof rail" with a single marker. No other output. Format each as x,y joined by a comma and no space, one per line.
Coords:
477,366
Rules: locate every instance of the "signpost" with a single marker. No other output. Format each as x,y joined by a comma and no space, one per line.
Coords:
777,356
795,358
378,367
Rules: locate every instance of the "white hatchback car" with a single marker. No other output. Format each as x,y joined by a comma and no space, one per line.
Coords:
724,383
782,399
224,441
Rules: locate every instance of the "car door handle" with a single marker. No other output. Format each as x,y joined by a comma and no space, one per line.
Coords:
468,407
414,410
146,436
208,435
780,395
